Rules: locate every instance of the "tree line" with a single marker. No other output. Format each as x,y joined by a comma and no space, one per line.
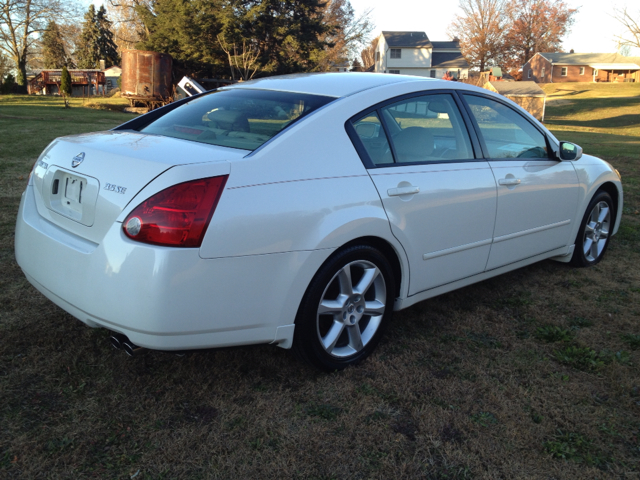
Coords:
206,38
503,33
246,38
508,33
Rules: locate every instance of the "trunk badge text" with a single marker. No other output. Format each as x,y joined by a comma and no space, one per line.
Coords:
115,188
77,160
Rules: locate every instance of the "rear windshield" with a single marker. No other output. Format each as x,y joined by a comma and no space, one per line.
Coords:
237,118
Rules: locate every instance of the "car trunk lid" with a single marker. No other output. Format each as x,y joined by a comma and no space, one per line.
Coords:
83,182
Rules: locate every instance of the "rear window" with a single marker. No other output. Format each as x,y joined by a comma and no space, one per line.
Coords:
237,118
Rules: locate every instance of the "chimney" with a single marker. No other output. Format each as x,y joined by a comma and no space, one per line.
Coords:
101,64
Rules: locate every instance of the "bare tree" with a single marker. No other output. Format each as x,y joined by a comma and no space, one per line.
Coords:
349,32
20,23
128,27
480,29
631,38
535,26
368,54
244,62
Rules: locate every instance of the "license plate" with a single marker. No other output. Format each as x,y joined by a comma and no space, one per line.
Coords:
73,189
71,195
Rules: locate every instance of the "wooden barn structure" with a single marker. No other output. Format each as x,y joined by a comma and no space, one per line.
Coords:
526,94
84,82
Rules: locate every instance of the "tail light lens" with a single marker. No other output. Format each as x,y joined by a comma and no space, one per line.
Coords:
177,216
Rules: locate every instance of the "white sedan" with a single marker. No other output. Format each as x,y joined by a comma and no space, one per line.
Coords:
301,211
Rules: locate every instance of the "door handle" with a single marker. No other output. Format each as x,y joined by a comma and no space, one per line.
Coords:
509,181
411,190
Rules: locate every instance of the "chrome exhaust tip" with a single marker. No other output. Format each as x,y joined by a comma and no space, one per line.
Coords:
121,342
117,340
131,349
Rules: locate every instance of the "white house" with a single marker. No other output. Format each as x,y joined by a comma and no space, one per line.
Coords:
412,53
112,74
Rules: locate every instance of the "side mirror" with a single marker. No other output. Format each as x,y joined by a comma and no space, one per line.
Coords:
570,151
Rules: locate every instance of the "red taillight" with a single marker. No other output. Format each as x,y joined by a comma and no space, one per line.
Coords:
177,216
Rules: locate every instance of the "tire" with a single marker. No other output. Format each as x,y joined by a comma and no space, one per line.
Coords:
346,309
595,231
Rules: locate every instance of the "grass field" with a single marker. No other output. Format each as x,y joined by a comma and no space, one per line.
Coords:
603,118
534,374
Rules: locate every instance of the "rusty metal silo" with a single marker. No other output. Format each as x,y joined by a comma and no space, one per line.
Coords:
146,77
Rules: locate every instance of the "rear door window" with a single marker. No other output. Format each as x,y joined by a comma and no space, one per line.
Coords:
428,128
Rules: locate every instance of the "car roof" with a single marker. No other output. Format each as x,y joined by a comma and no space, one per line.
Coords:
328,84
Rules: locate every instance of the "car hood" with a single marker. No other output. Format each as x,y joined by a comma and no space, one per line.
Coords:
112,168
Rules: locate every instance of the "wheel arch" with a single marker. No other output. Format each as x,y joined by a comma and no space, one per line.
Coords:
388,251
381,244
614,193
300,332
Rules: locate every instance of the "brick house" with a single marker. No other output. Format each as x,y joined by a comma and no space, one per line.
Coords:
412,53
581,67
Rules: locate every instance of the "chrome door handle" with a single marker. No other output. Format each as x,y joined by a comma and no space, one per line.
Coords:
394,192
509,181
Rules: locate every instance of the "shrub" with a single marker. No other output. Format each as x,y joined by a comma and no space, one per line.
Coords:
7,86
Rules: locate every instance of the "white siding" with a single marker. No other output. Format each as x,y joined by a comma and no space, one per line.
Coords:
418,72
411,58
380,52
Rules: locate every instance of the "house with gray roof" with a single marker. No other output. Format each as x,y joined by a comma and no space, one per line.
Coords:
581,67
412,53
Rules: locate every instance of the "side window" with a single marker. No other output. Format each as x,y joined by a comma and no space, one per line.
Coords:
427,129
506,133
371,134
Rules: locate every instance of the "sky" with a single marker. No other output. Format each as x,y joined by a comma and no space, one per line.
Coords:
592,32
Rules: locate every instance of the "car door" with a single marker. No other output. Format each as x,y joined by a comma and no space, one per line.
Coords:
440,199
537,194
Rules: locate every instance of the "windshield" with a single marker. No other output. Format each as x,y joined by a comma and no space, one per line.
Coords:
237,118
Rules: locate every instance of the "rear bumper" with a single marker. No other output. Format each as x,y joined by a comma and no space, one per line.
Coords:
163,298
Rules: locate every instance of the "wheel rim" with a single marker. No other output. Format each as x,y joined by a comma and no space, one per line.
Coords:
596,231
351,309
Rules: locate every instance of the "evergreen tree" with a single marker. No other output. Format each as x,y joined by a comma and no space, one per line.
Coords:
286,32
107,48
88,54
53,52
7,85
288,35
356,66
96,40
65,85
188,31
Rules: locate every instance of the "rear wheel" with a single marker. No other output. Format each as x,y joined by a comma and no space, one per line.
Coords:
346,309
595,231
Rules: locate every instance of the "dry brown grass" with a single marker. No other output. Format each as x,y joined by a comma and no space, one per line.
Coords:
463,386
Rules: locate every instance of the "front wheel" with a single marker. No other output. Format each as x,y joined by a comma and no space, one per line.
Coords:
345,310
595,231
